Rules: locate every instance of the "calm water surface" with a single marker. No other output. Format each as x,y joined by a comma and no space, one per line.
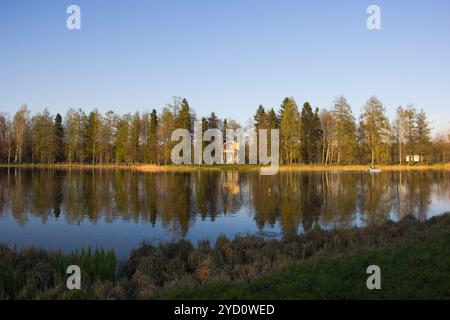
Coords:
69,209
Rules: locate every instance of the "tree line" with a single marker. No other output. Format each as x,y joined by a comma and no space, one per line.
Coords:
307,135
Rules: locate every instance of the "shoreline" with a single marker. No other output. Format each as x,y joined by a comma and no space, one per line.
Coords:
239,268
226,167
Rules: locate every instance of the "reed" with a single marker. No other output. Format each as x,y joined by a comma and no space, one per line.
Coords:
182,270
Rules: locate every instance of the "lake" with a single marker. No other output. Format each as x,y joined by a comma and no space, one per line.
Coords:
69,209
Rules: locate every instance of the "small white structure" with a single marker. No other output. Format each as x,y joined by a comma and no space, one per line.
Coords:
231,152
374,170
414,158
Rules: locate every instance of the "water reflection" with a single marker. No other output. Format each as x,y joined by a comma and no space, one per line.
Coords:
174,203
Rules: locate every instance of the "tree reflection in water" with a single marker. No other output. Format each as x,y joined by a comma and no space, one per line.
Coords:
296,201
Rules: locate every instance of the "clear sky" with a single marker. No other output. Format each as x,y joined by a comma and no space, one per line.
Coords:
226,56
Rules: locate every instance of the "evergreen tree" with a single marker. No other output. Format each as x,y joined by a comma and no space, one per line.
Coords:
121,140
260,118
184,120
224,130
152,138
272,119
311,134
423,133
290,127
213,121
317,133
59,139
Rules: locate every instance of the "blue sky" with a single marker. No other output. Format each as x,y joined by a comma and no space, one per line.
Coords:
226,56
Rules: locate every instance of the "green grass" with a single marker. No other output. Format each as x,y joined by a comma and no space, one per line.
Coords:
414,267
414,258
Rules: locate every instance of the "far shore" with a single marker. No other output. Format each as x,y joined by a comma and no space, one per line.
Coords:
227,167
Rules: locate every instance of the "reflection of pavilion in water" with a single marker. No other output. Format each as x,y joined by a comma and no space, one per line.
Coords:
230,182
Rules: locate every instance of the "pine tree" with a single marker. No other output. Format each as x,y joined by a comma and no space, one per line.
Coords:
260,118
59,139
152,138
272,119
422,133
317,133
213,121
307,133
184,120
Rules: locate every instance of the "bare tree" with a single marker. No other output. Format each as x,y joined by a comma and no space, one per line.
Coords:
20,125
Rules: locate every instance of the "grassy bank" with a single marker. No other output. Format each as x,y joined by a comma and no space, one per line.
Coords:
414,258
227,167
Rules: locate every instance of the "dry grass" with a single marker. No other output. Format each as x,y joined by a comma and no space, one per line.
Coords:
225,167
392,167
181,269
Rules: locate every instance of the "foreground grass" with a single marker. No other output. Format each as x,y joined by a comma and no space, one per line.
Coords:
416,269
414,258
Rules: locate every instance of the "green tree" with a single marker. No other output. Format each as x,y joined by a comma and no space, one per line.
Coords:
328,136
152,138
91,134
423,134
72,135
344,131
260,118
213,121
184,119
409,124
43,138
399,131
166,126
6,139
121,154
135,130
272,119
59,139
307,135
290,127
376,128
106,137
